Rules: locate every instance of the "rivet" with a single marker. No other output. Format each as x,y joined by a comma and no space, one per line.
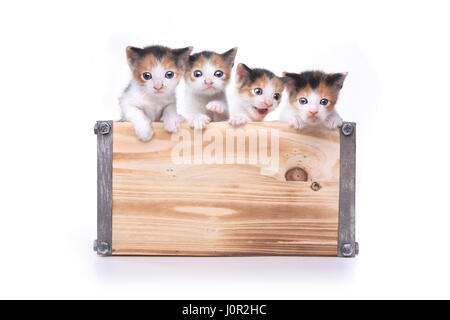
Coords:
315,186
104,128
347,129
102,248
347,250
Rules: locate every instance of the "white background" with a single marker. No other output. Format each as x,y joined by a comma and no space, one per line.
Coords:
63,66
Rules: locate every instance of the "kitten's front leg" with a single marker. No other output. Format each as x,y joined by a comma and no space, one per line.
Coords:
216,106
238,119
172,120
333,121
296,122
141,123
198,121
195,113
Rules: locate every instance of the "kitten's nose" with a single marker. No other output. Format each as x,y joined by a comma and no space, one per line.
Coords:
208,82
314,112
157,86
268,103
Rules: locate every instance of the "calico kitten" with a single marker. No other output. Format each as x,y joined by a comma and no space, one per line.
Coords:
150,96
206,78
258,92
312,97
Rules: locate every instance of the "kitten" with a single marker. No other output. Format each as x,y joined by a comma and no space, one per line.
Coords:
206,78
258,92
312,97
150,96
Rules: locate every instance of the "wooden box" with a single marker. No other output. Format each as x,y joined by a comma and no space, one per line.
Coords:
263,189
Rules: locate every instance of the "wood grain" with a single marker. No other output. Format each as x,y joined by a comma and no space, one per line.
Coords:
164,207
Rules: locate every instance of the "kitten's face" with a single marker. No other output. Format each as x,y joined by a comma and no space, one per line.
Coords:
314,94
209,73
158,69
259,89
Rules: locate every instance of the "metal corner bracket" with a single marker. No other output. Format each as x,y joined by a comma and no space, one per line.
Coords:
347,246
104,132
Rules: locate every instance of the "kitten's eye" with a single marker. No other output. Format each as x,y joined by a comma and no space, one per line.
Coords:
218,74
169,74
324,102
276,96
146,76
303,100
258,91
197,73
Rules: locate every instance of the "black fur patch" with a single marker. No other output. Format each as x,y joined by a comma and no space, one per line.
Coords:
314,78
194,57
208,54
157,51
255,74
299,81
311,78
258,73
177,55
334,79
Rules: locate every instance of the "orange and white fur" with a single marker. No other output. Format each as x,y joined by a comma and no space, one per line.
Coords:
150,96
258,92
312,99
206,78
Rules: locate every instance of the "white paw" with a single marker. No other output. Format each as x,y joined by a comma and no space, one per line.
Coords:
238,119
173,123
143,131
296,123
199,122
334,121
215,106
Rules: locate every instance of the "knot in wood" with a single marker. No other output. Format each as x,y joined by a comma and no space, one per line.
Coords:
296,174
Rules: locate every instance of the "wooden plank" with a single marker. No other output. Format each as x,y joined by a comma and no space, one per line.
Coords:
176,195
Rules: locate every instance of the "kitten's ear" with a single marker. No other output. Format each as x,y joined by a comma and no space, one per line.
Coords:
284,81
133,55
242,72
288,80
230,55
336,80
182,55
